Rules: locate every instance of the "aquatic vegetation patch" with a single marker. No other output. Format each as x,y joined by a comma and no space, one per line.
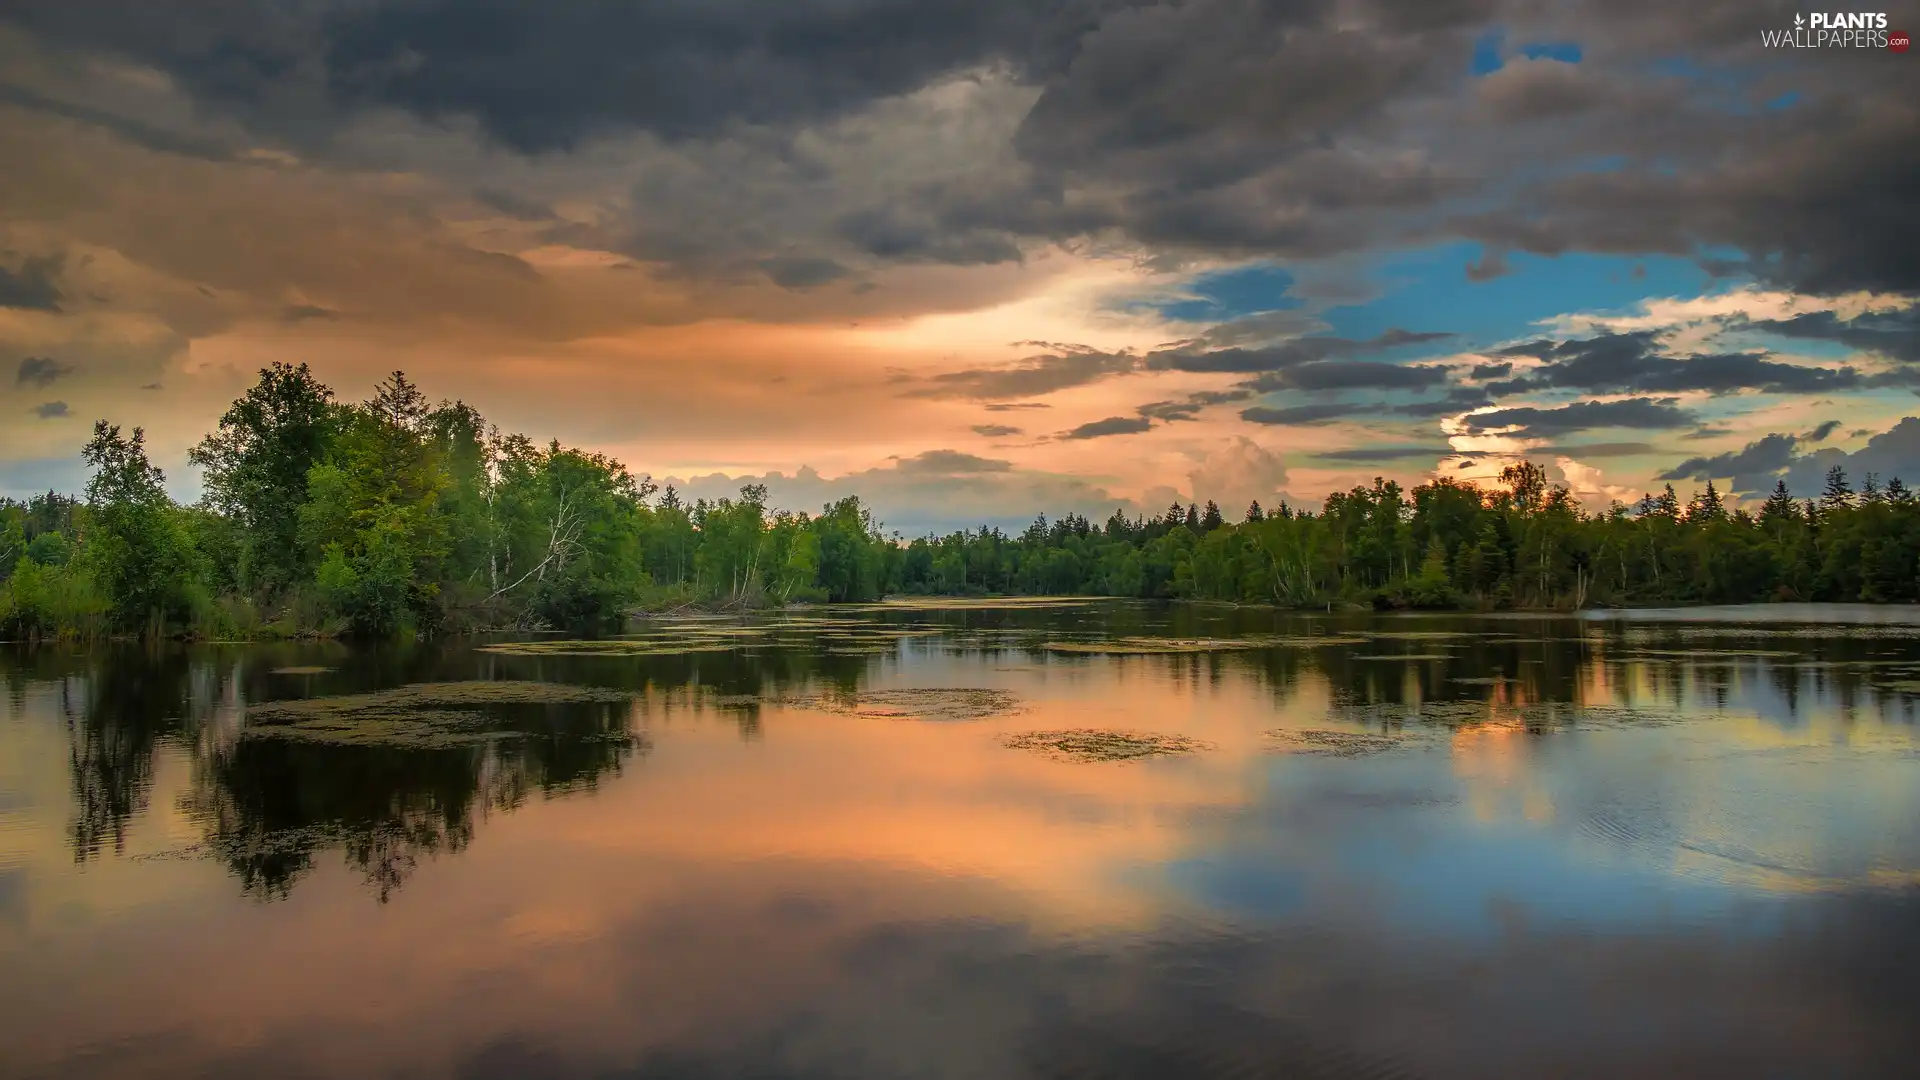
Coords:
1150,646
693,637
1458,714
1340,743
972,603
420,715
1823,632
1384,715
1599,717
1703,654
1098,744
914,703
1898,663
611,647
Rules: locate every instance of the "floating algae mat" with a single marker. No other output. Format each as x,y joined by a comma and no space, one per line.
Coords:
1146,646
1701,654
1600,717
1339,743
613,647
915,703
966,603
1095,744
1439,713
1823,632
422,714
1457,714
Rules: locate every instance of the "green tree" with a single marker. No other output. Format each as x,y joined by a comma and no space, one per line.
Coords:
254,470
135,547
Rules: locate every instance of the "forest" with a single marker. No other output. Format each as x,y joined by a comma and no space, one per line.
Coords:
395,516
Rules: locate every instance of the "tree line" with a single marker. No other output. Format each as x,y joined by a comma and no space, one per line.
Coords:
1448,544
395,515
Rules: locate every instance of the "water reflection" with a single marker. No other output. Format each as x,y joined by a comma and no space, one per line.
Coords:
1565,847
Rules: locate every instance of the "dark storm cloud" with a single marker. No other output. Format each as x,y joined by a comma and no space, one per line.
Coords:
1257,328
994,431
1287,354
1381,454
31,287
1595,450
51,410
1752,467
1223,119
1820,198
1238,361
1190,407
1169,410
1894,334
1728,372
1395,336
513,205
1491,265
1458,400
1031,377
1894,452
1491,371
951,463
140,134
1623,363
540,76
299,313
1112,425
1291,128
1318,413
802,271
1348,375
1643,413
41,372
895,235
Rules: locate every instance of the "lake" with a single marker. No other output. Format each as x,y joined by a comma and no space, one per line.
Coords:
1091,840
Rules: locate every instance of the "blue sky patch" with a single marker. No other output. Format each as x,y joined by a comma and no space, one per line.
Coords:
1428,290
1487,49
1566,52
1219,295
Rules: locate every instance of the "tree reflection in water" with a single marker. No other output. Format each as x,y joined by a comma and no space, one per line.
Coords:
270,808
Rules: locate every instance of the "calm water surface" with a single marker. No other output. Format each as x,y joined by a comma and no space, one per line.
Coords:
1398,847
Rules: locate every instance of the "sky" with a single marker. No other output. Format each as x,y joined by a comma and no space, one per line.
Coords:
979,259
